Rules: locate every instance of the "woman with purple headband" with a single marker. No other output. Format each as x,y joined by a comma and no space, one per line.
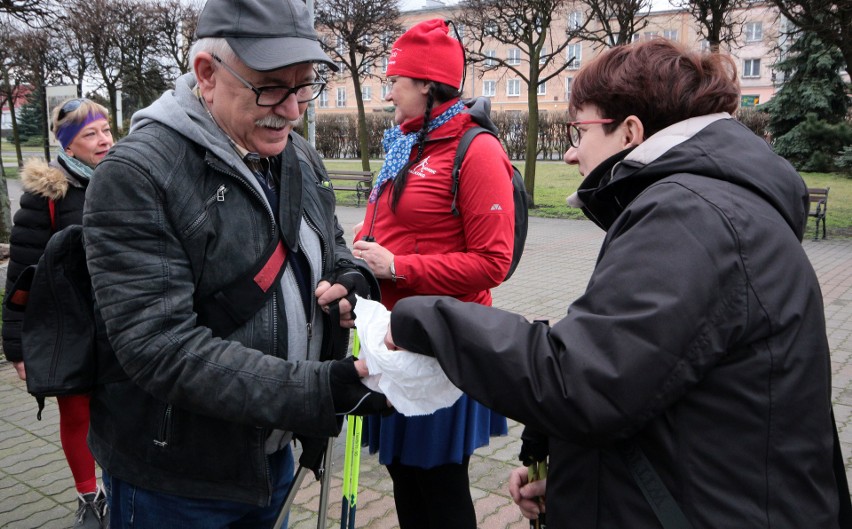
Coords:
53,200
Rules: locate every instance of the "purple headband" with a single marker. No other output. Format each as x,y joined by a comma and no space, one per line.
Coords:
67,132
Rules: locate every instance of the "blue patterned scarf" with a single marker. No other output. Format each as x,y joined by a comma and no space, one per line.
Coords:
398,147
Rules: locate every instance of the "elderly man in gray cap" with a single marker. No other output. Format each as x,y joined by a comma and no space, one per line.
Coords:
223,280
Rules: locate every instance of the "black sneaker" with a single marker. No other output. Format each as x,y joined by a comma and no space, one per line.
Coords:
92,511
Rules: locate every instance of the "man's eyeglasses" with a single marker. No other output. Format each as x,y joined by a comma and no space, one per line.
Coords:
270,96
70,106
575,134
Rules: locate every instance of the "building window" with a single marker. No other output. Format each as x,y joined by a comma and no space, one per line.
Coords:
489,88
542,58
670,34
751,68
568,82
575,20
367,68
651,35
386,88
460,28
490,58
491,29
541,89
575,52
341,97
384,64
513,87
366,93
514,57
753,31
323,99
635,37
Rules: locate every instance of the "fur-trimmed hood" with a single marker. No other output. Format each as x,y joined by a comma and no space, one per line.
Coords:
49,180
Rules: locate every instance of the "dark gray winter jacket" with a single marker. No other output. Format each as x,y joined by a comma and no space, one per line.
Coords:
173,215
700,338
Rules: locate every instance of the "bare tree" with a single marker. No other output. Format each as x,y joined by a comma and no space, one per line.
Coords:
524,25
78,57
357,34
38,59
10,82
177,23
615,21
831,20
101,25
33,13
145,74
718,21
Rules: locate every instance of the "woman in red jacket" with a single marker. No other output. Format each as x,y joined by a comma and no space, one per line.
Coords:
53,200
416,246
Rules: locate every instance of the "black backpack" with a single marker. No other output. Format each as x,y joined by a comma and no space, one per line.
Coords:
63,338
519,191
64,347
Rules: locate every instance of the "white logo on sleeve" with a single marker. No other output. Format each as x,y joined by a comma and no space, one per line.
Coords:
496,207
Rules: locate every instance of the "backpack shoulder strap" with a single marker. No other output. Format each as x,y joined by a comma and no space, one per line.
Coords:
461,150
653,488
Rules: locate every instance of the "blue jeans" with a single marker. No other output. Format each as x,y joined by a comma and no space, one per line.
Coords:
132,507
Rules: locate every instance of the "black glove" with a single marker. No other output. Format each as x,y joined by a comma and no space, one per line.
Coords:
313,450
349,395
534,447
353,281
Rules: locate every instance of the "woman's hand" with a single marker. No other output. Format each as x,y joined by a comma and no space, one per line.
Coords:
376,256
19,367
527,495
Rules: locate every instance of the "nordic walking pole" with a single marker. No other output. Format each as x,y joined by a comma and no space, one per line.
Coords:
352,460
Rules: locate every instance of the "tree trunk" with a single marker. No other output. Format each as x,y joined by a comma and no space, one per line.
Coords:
15,138
44,122
363,139
5,212
532,139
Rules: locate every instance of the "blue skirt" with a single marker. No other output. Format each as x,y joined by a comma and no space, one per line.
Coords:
427,441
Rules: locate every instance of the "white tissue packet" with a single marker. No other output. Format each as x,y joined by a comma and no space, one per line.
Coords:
413,383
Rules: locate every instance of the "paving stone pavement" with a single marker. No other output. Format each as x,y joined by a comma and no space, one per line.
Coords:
36,488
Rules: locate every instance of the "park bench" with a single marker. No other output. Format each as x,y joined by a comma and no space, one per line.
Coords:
361,182
818,207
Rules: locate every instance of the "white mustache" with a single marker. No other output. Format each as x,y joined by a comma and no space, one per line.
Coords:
277,122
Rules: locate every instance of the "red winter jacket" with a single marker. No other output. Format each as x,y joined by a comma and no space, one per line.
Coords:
436,252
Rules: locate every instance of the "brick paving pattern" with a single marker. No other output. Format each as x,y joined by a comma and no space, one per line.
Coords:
36,489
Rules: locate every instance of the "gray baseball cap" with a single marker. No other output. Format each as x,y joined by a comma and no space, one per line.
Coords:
265,34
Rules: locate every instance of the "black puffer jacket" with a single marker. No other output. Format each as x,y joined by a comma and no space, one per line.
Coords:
700,338
42,182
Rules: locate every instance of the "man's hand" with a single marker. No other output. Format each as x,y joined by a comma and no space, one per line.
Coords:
349,395
19,367
341,287
527,495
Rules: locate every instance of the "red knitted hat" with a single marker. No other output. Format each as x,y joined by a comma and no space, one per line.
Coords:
427,51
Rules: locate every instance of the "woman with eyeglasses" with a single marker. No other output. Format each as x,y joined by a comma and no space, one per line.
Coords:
415,245
690,385
53,200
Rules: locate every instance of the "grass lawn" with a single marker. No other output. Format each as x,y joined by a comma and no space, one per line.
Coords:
554,181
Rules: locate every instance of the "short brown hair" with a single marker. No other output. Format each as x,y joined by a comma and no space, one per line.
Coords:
659,82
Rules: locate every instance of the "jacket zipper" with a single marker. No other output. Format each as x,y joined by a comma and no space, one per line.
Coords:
325,251
273,227
165,428
218,196
57,349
